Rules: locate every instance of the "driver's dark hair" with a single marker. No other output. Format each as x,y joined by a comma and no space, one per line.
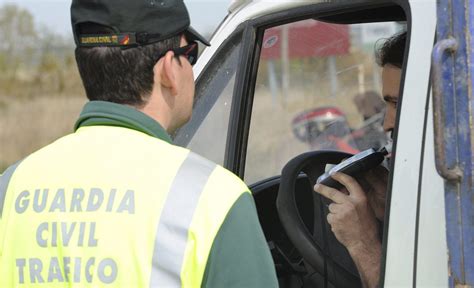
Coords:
114,74
392,50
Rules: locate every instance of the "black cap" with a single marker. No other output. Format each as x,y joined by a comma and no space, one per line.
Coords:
134,22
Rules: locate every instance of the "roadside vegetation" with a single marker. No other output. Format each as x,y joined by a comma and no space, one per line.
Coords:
40,88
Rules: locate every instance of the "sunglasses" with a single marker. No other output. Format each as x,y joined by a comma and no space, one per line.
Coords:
189,51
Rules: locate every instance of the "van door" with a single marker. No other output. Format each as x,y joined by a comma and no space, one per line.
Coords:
400,269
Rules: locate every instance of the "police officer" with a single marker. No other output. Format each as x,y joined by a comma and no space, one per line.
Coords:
116,203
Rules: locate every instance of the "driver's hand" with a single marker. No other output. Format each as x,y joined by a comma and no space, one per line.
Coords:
353,222
351,217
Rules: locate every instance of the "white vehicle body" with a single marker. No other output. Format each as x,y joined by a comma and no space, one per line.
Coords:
416,252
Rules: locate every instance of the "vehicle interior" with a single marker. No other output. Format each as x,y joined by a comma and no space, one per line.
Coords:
311,99
293,217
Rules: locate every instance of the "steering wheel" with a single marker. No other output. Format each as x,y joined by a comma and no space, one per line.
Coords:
313,164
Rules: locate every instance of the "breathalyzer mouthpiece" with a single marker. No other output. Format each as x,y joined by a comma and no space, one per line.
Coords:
387,149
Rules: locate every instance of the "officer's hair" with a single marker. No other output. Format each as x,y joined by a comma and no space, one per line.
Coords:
392,51
113,74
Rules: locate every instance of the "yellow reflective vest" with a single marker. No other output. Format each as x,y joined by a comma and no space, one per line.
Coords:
110,205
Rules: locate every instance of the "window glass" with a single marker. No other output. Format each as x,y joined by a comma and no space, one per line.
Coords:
206,133
318,88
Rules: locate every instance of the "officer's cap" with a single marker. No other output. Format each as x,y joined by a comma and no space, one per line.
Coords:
134,22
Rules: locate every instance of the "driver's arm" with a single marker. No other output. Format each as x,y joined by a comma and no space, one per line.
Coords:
367,260
354,224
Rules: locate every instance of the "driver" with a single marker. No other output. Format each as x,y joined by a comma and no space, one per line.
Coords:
360,203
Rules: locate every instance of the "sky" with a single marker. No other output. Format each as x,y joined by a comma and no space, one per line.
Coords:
54,14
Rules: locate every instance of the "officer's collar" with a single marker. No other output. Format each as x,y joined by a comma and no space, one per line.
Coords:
101,113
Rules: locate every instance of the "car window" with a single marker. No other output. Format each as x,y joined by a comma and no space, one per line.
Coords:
206,133
318,87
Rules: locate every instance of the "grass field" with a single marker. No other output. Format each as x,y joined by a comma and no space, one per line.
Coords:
27,124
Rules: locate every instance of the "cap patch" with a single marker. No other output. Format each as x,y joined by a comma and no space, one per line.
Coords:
107,40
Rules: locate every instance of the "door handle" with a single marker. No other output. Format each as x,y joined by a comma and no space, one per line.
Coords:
448,45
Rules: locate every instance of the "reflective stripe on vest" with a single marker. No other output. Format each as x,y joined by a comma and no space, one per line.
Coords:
177,214
4,181
219,196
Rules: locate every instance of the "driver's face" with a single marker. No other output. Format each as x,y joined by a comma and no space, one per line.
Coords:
391,77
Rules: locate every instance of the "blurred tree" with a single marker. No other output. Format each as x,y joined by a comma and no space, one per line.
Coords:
19,39
33,59
53,51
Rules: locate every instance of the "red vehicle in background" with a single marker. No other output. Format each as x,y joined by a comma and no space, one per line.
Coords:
324,128
327,128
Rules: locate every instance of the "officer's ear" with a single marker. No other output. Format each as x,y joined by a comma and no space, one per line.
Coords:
168,75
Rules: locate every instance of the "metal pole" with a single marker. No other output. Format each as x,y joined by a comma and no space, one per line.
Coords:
285,62
333,75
